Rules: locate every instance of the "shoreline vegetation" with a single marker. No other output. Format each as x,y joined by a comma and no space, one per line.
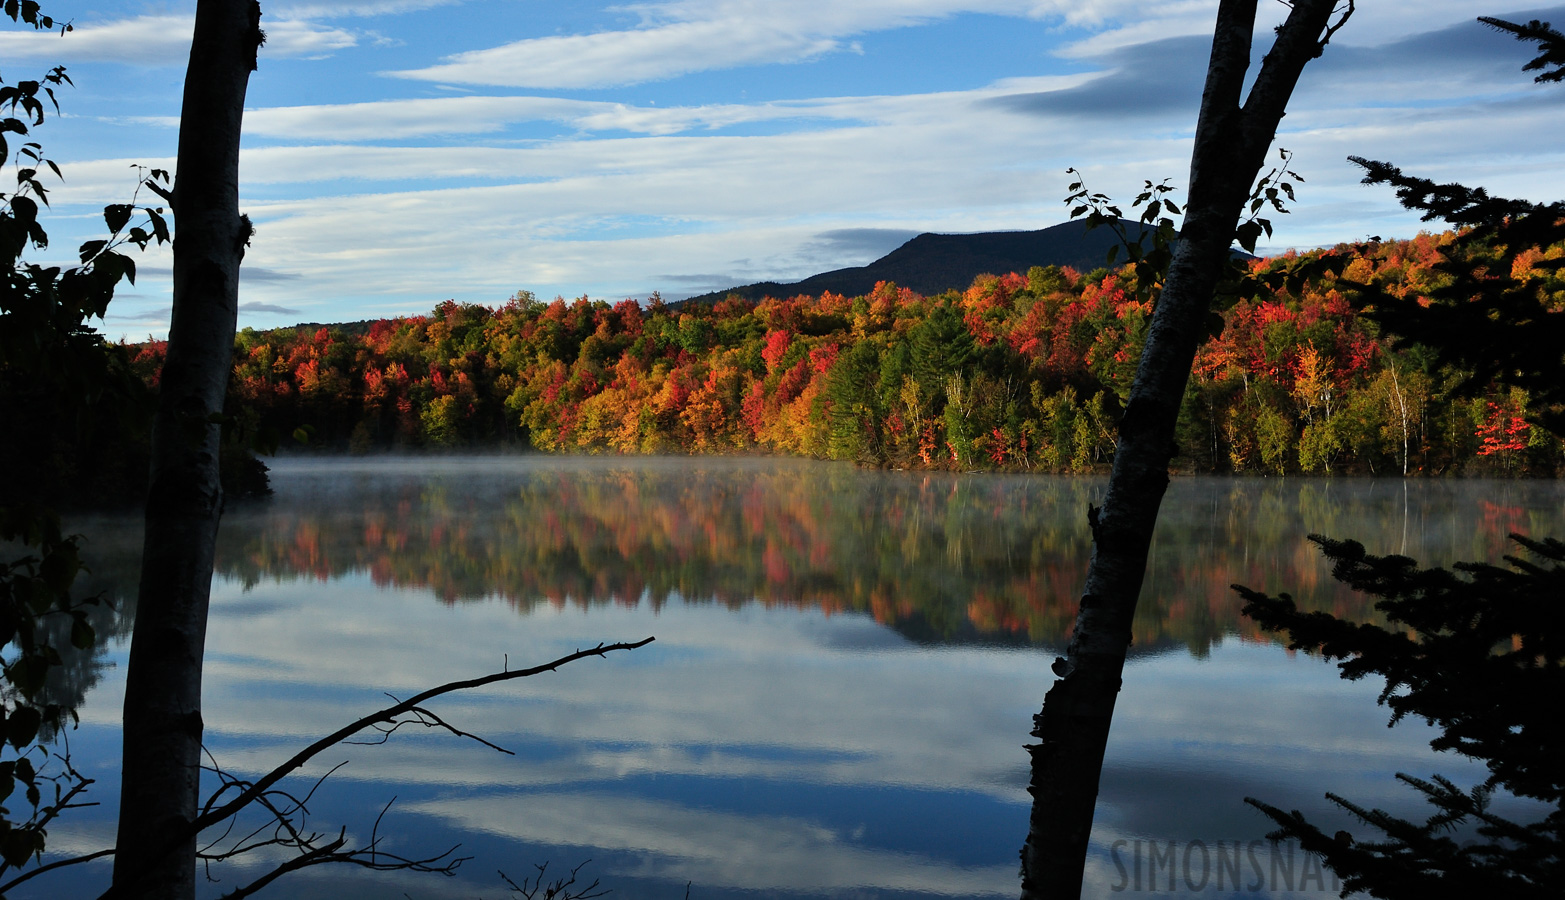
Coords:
1016,373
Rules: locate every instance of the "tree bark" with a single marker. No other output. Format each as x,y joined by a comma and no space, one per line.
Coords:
162,730
1231,143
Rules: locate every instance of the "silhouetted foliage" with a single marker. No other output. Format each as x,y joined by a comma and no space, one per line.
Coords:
1495,311
1480,654
1551,45
65,395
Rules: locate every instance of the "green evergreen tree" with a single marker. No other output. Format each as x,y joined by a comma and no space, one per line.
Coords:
942,346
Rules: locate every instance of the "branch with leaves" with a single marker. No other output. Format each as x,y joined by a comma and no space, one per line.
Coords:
59,382
1151,263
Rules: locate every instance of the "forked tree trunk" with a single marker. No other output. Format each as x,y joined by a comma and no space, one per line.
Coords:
1231,143
162,732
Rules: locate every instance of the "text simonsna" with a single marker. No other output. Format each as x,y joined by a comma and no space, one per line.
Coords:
1150,865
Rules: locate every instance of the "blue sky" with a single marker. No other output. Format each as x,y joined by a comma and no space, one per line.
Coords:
402,152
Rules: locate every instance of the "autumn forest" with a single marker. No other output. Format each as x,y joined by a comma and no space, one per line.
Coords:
1017,372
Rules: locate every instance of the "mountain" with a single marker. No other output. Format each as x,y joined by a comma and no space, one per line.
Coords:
932,263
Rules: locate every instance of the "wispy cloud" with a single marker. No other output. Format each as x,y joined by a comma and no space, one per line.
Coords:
160,40
684,36
746,852
321,9
405,119
267,308
300,37
398,203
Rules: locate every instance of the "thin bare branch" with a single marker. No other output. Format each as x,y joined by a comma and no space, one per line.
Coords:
428,719
389,714
305,860
262,788
369,857
49,867
1347,13
561,888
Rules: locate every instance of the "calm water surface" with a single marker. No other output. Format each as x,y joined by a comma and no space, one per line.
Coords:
846,669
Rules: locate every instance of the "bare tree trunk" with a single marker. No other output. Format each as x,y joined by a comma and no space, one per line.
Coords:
1231,143
162,732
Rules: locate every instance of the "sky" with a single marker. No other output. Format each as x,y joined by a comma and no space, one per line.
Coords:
398,153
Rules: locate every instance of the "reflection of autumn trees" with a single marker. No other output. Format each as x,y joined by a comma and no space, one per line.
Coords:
1017,372
939,556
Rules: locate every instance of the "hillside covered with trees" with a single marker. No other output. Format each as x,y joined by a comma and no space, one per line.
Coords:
1018,372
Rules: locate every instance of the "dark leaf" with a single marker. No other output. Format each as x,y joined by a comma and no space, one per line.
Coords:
116,215
22,727
82,634
91,249
159,226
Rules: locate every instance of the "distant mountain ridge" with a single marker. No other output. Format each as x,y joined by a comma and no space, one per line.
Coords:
932,263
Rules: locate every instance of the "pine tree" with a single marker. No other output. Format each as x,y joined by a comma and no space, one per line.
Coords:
1493,317
1480,654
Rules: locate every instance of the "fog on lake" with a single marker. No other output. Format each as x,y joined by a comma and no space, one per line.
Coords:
846,668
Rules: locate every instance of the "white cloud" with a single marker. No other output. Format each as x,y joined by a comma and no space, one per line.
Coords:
673,190
1375,23
685,36
298,37
404,119
611,215
626,57
677,38
1167,20
321,9
155,40
767,854
161,40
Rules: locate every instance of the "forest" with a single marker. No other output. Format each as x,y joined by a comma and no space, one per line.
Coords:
1017,372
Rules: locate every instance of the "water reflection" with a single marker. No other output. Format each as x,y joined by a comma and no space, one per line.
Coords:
777,739
940,558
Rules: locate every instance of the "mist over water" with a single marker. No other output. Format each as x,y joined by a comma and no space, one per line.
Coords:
845,670
941,558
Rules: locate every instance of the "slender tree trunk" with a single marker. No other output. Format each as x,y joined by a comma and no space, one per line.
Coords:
162,734
1231,143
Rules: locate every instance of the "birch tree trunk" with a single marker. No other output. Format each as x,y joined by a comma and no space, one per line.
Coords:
162,732
1231,143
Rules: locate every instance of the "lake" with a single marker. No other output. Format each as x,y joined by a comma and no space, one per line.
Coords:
846,668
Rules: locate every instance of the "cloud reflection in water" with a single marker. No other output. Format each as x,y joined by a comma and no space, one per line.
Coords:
790,743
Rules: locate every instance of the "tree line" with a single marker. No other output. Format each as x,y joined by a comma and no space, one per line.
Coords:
1023,373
